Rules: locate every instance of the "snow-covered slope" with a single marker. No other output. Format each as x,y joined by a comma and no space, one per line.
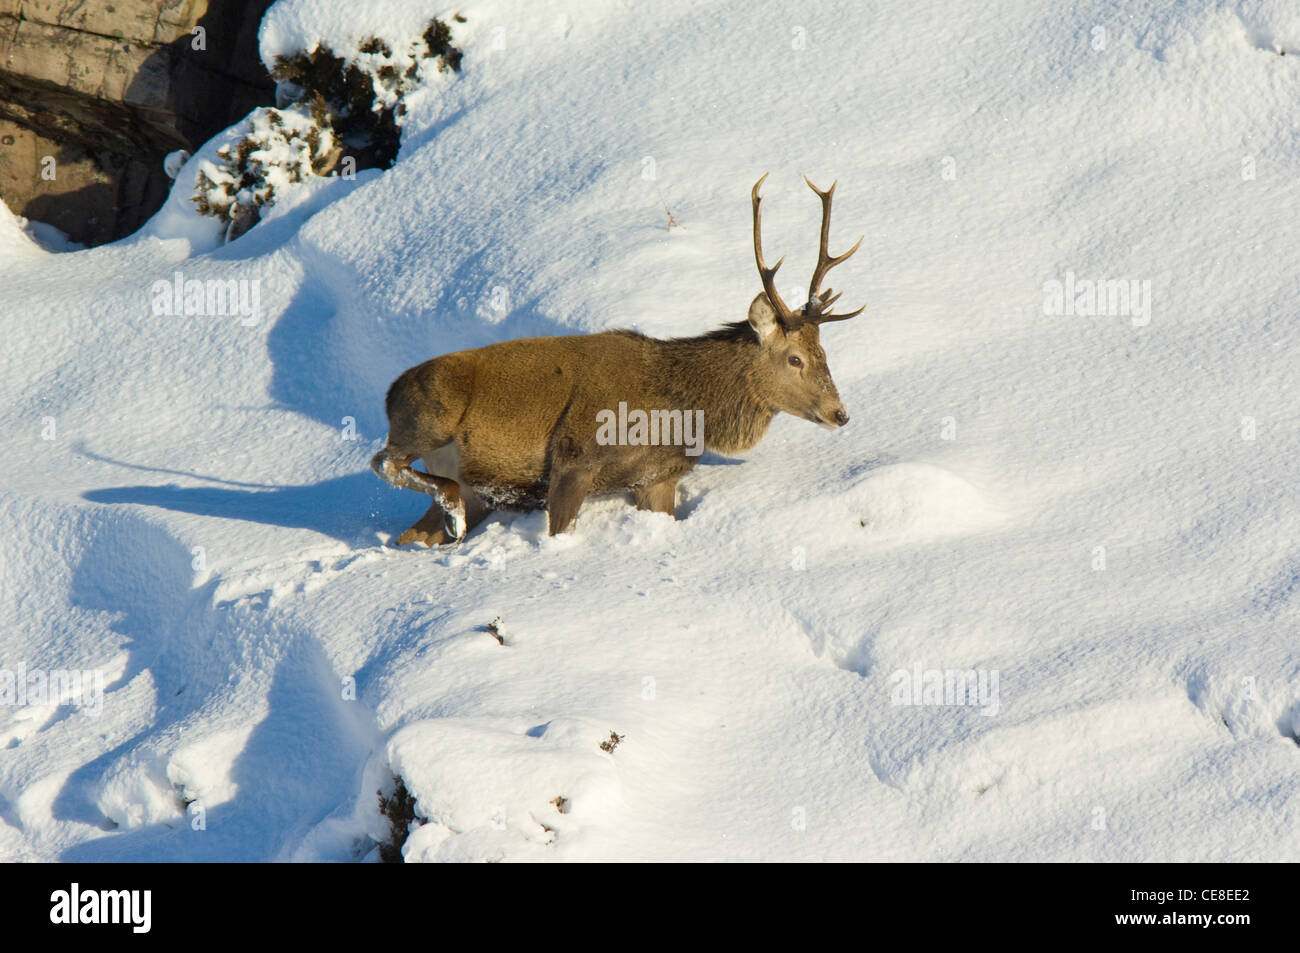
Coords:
1097,511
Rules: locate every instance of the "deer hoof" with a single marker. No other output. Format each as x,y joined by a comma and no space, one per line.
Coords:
454,522
429,530
417,535
388,471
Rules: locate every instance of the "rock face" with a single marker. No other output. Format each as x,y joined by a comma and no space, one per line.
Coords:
94,94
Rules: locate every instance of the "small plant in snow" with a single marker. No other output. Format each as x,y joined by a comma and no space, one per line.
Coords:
323,101
672,220
608,746
497,629
363,90
399,808
280,148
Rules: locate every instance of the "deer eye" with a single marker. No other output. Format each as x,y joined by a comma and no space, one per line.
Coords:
796,360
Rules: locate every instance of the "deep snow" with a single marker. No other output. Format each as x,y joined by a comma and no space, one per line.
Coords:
1095,508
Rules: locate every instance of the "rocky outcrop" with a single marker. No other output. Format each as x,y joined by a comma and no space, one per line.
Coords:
94,94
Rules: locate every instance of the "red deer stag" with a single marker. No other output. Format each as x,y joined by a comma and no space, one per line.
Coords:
530,423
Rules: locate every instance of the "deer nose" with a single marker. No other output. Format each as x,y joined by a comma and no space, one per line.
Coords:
841,417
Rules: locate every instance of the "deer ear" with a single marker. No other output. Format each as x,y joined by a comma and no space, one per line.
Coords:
762,318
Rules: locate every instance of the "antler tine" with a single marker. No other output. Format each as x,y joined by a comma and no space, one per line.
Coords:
826,261
783,312
818,309
826,317
828,298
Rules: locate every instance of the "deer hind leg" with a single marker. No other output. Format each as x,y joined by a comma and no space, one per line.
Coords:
475,509
658,497
388,465
446,520
394,468
431,529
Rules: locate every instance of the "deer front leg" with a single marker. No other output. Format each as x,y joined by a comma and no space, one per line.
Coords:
568,490
658,497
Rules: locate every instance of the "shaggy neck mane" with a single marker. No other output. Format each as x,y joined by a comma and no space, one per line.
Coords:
714,372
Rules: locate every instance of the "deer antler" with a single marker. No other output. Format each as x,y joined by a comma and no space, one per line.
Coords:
788,318
816,310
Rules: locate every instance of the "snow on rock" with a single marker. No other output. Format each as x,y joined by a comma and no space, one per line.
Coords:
1093,506
21,237
14,242
483,784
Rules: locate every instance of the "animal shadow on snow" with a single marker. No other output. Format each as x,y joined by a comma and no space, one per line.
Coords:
349,508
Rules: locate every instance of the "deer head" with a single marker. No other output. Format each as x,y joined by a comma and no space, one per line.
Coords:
792,371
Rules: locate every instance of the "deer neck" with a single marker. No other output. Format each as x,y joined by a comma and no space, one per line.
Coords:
718,377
